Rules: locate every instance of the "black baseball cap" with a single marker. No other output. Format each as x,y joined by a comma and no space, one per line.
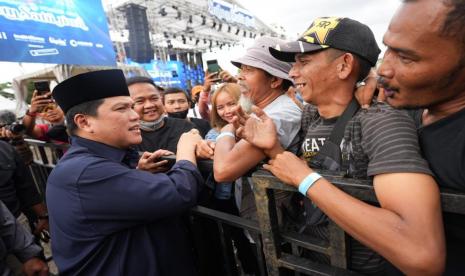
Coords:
332,32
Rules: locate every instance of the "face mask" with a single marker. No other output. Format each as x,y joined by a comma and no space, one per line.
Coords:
179,114
152,126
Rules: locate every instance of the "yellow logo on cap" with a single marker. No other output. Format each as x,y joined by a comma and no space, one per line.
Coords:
320,28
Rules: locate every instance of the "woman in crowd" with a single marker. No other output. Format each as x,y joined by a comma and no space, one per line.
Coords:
223,101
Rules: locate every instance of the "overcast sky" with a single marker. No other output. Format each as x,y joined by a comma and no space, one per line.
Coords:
294,15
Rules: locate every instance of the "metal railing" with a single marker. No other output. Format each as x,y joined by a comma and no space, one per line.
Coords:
270,253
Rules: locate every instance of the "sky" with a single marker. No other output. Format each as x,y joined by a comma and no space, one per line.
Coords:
294,15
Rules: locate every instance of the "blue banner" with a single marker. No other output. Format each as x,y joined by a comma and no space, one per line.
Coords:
173,73
55,31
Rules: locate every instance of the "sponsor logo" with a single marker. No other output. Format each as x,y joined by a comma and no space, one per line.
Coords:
29,38
44,52
78,43
57,41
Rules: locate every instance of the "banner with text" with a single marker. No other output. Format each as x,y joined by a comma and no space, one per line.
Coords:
55,31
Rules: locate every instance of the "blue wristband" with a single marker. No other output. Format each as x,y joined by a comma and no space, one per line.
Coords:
223,134
308,182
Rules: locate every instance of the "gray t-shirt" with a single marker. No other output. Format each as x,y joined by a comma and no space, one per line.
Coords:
287,117
378,140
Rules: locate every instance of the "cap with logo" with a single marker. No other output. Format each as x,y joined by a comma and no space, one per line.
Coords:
89,87
332,32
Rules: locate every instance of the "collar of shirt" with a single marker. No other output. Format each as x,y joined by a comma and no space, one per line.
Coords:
104,150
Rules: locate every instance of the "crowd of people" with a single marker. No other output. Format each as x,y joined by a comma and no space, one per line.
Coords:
116,207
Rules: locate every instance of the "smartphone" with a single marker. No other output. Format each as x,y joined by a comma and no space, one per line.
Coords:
42,87
213,67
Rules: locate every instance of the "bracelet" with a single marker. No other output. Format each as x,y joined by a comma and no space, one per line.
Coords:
31,114
308,182
226,133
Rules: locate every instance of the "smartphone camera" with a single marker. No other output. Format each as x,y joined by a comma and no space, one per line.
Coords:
42,87
213,67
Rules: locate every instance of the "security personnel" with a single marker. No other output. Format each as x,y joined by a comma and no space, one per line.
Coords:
108,218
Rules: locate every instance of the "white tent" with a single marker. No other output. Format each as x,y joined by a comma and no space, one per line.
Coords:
7,104
60,73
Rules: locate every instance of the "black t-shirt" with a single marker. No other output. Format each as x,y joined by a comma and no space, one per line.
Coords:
203,126
443,146
166,137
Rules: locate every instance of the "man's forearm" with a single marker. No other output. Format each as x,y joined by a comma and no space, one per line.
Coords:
203,106
395,237
29,122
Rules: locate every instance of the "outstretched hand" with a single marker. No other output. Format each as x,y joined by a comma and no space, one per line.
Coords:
258,129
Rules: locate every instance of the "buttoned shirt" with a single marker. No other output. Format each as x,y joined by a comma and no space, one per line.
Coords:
107,218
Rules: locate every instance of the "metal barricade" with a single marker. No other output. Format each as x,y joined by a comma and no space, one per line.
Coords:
264,186
269,246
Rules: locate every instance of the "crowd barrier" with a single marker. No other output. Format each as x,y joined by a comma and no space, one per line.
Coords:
270,255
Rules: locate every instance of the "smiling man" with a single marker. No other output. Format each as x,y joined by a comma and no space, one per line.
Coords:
106,217
379,144
158,131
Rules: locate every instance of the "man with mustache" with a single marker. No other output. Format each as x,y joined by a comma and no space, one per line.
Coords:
379,144
264,81
106,216
424,68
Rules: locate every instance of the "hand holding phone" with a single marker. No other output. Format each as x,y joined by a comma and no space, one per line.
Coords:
42,87
214,68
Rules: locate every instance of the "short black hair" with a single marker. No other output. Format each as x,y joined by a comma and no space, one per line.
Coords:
176,90
141,79
364,64
454,23
86,108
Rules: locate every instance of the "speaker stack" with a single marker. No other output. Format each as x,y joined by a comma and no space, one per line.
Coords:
140,49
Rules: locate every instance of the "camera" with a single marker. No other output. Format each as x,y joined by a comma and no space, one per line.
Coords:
9,121
16,128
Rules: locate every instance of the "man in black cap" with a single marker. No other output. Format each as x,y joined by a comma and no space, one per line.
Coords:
379,143
106,217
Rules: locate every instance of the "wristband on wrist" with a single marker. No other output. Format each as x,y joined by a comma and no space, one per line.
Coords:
308,182
31,114
225,133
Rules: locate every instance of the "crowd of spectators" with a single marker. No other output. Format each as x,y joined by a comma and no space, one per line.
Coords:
294,107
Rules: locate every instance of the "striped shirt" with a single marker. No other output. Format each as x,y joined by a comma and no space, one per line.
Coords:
376,141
